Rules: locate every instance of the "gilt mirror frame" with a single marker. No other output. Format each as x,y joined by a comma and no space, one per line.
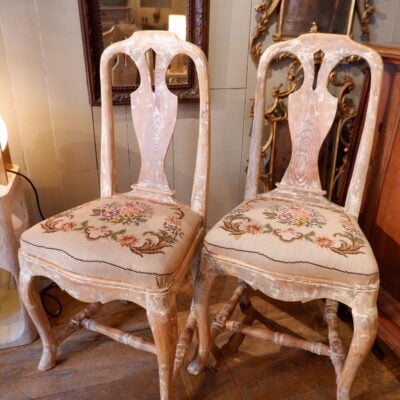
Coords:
197,33
266,9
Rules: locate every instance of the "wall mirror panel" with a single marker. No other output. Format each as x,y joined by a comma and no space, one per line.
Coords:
107,21
299,16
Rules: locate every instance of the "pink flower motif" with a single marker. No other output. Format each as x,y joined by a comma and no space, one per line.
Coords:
348,225
323,241
253,229
286,216
138,208
295,215
303,213
110,213
68,226
131,209
127,240
170,220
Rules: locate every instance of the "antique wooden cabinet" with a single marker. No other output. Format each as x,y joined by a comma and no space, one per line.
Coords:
380,217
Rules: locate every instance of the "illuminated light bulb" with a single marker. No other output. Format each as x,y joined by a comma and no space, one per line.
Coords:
5,159
177,25
3,134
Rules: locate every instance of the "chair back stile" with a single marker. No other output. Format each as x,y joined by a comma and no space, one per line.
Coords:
202,168
311,112
154,116
357,184
107,152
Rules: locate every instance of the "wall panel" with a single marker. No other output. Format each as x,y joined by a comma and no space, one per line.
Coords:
28,78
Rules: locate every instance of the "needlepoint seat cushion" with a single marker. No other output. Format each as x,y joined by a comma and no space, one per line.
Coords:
119,238
295,238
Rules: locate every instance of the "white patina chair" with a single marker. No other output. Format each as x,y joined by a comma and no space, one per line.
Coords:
291,243
136,246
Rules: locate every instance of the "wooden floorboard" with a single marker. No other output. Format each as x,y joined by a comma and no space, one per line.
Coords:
92,367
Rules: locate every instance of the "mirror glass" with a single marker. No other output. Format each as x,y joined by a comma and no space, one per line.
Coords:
121,18
106,21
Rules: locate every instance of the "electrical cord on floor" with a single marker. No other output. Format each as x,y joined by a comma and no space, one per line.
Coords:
44,292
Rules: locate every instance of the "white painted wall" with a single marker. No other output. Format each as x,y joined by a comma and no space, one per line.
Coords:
54,132
44,100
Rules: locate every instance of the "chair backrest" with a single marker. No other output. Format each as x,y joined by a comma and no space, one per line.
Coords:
154,116
311,112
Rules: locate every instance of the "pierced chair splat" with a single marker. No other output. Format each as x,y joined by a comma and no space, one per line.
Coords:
135,246
292,243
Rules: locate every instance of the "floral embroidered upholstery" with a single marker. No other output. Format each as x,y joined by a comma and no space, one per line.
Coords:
122,236
287,237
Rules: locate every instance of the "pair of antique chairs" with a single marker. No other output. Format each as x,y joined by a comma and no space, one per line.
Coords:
291,243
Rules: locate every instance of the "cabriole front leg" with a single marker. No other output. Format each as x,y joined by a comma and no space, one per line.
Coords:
162,315
33,305
365,320
202,287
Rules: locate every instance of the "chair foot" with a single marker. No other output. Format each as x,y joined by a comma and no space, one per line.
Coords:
48,359
198,364
343,394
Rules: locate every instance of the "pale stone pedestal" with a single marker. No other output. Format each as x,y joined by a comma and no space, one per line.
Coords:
16,327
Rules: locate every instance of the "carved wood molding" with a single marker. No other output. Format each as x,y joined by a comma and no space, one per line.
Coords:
267,8
264,12
365,14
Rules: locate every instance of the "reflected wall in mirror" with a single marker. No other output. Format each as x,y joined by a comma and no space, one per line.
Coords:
298,16
107,21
